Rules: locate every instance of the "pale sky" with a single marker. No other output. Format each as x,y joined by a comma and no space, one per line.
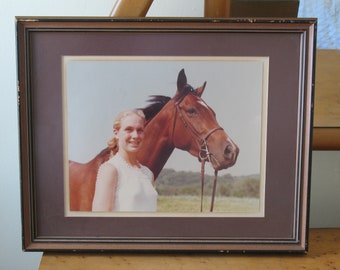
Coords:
97,88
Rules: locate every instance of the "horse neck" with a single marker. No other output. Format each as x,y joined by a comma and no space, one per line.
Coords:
157,145
103,156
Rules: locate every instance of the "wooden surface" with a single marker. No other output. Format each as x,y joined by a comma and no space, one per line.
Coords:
327,101
251,8
324,253
130,8
327,88
217,8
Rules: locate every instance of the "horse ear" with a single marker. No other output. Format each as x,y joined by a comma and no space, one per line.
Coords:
181,80
200,90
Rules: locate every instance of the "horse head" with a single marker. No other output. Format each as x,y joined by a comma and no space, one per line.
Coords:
196,129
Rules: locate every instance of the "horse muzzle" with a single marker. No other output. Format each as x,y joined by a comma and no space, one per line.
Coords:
228,159
220,159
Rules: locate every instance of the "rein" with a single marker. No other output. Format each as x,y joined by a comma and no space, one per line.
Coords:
204,154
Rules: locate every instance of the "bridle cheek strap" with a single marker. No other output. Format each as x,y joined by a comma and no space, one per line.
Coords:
204,153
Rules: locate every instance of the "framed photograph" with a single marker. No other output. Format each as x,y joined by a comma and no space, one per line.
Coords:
224,150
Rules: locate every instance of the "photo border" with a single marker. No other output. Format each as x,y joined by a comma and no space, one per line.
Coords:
137,59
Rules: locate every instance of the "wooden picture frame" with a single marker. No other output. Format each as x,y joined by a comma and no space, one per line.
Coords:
283,49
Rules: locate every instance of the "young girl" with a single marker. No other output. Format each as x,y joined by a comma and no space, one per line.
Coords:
123,184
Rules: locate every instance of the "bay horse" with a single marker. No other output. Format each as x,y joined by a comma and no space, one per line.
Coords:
185,122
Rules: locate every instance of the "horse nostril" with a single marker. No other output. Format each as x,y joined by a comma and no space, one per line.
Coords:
229,149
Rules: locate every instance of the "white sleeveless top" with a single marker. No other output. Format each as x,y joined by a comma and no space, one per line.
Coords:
134,191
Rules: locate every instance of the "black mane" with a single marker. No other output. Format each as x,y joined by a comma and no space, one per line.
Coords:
157,103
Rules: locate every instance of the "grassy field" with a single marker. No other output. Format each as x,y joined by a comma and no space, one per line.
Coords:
192,204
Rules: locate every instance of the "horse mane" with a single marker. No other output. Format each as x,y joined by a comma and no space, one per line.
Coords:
157,103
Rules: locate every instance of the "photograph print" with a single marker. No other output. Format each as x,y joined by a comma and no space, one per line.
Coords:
203,134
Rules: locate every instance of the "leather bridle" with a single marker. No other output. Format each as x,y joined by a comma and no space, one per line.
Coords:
204,153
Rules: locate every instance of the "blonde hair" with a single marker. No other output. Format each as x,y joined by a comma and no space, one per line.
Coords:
113,143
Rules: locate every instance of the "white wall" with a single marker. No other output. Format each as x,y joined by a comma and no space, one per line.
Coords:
325,192
325,177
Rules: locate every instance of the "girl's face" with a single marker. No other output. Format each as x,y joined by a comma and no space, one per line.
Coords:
131,133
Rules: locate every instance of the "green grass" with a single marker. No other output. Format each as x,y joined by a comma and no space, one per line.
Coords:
192,204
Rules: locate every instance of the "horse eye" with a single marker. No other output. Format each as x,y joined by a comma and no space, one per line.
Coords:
191,111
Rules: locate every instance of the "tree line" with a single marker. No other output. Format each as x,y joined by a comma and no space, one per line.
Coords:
183,183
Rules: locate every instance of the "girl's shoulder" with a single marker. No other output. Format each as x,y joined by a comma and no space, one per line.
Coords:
107,171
